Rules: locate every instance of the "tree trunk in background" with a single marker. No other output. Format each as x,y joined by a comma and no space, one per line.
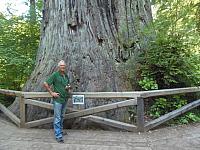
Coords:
32,11
88,35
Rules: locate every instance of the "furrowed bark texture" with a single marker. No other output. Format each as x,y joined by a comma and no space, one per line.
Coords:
87,35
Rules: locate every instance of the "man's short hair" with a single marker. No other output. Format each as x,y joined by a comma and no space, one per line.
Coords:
62,62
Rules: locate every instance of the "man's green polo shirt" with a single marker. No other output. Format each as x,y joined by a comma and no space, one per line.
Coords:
59,83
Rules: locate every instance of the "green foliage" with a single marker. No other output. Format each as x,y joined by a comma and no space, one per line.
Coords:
193,116
148,84
187,118
19,42
19,38
172,57
198,16
165,105
170,64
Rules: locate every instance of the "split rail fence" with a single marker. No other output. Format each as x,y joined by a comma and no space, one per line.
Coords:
135,98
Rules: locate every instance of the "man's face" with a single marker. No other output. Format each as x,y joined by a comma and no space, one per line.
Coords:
62,67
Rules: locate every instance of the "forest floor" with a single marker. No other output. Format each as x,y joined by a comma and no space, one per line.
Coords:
185,137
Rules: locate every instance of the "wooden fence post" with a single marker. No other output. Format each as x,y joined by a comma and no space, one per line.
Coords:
140,114
22,109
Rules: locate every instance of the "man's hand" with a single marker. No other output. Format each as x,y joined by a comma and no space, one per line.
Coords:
54,94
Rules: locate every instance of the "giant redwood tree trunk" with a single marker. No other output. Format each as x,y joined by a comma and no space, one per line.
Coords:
90,36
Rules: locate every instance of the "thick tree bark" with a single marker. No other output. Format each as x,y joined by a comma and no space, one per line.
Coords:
90,35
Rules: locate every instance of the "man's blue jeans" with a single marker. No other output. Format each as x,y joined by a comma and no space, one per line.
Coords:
59,111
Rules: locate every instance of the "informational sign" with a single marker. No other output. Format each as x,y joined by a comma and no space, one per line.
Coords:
78,99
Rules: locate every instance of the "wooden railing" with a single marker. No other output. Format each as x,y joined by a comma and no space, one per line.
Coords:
131,98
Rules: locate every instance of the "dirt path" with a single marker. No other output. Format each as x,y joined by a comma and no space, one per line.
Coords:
171,138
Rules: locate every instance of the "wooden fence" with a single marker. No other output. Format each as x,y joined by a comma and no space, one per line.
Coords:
131,99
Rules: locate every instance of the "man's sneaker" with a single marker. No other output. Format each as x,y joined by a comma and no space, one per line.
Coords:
60,140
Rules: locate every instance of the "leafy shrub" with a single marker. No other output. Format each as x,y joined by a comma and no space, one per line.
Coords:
148,84
165,105
169,63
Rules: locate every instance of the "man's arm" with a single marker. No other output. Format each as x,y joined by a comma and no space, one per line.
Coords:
54,94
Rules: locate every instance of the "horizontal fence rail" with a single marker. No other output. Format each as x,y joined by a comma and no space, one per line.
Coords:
132,98
143,94
86,94
10,92
164,92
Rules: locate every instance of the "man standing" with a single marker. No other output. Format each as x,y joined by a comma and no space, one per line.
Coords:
60,93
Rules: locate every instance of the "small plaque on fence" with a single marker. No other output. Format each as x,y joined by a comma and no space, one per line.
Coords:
78,99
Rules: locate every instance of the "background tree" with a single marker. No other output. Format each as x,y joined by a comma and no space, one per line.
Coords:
32,11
